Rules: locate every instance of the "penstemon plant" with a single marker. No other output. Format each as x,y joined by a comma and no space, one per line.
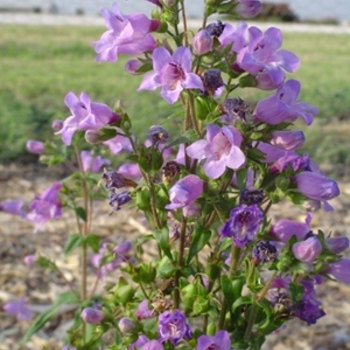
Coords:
226,276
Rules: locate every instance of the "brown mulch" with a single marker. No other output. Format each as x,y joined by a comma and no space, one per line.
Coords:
41,286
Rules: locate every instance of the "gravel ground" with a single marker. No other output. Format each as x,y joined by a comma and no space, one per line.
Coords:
41,287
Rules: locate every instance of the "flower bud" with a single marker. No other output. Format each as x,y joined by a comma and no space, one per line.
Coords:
92,137
126,325
36,147
29,260
308,250
132,66
92,315
337,244
57,125
248,8
157,134
212,81
202,42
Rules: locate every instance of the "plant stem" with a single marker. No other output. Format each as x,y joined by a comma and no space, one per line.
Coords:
184,22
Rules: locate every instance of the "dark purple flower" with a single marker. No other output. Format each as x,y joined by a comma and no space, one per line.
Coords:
202,42
248,8
287,139
171,73
126,34
308,250
285,229
45,207
158,135
340,270
92,315
185,192
243,224
220,149
251,196
264,252
86,115
235,109
144,311
36,147
213,83
261,58
115,179
118,199
283,106
337,244
215,29
19,309
13,207
220,341
170,171
94,164
173,326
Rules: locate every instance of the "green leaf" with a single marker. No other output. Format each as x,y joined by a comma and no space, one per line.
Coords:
106,134
75,240
296,291
45,263
44,317
227,289
188,137
80,211
162,238
200,237
93,241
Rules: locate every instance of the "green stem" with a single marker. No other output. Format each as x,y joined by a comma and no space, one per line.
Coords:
184,22
193,115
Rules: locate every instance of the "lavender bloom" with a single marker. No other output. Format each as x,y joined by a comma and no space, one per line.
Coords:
131,171
220,341
19,309
308,250
153,345
243,224
13,207
264,252
45,207
34,146
283,106
57,125
171,73
261,59
29,260
237,36
120,254
117,200
86,115
126,34
285,229
248,8
291,159
288,140
185,192
202,42
126,325
221,149
141,340
337,244
118,144
317,187
92,315
340,270
94,164
272,153
143,310
173,327
132,66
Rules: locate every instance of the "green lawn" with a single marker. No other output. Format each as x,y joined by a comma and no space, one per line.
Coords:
39,65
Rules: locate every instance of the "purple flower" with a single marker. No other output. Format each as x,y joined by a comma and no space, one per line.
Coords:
248,8
126,34
144,311
171,73
86,115
57,125
119,253
272,153
221,149
293,160
126,325
13,207
118,199
131,171
237,36
264,252
34,146
92,315
243,224
202,42
141,340
285,229
340,270
283,106
287,139
337,244
220,341
173,327
118,144
132,66
317,187
19,309
153,345
29,260
91,163
261,59
251,196
45,207
308,250
185,192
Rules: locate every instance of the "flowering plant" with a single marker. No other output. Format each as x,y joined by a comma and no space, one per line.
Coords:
225,276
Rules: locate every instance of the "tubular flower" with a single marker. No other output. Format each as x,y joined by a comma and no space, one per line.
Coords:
248,8
287,140
126,34
92,315
19,309
261,58
91,163
283,106
13,207
243,224
308,250
220,341
171,73
36,147
86,115
221,149
340,270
